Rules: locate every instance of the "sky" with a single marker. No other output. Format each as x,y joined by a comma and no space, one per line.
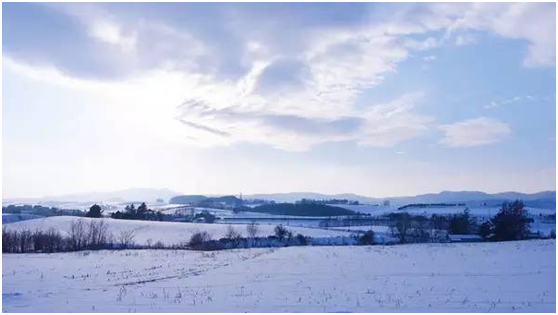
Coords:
373,99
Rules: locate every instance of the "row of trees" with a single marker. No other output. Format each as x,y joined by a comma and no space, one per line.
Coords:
80,236
301,209
233,239
511,223
282,237
141,213
40,210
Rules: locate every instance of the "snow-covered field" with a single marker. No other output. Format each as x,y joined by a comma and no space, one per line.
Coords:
475,277
168,233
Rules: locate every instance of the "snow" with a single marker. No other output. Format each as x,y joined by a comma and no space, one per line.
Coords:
465,277
166,232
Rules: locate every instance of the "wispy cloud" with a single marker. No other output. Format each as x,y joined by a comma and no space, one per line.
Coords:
521,98
474,132
378,126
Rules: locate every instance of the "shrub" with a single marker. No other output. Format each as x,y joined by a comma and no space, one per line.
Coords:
367,238
281,232
198,240
301,239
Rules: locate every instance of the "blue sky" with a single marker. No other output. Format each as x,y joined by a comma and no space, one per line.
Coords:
375,99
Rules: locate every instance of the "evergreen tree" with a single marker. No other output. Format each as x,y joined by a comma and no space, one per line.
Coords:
94,212
460,223
142,208
511,223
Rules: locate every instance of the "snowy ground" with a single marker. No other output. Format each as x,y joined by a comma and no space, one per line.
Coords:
168,233
479,277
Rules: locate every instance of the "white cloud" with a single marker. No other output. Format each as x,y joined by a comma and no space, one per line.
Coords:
474,132
426,44
317,82
464,39
111,33
521,98
532,22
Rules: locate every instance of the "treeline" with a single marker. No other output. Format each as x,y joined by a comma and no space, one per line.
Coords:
40,210
141,213
282,238
327,201
301,209
96,236
430,205
81,236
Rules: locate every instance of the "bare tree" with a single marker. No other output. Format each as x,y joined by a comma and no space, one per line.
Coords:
253,230
126,238
54,241
78,235
232,233
97,234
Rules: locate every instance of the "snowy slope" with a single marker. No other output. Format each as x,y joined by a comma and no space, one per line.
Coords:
479,277
167,232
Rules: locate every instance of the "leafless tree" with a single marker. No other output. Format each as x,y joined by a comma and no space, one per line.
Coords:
25,241
232,233
78,235
253,230
98,233
126,238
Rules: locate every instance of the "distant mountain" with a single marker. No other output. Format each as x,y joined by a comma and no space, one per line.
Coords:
132,194
545,199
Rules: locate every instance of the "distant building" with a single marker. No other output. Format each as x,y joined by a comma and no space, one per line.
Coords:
464,238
